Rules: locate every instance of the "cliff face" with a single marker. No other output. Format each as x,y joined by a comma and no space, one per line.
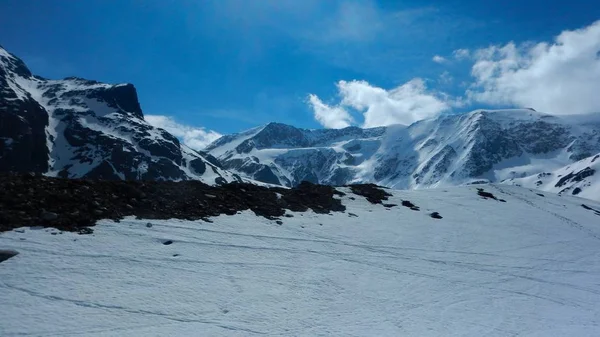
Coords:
23,121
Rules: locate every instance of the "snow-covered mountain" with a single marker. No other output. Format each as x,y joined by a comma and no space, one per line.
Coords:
525,267
581,178
481,146
80,128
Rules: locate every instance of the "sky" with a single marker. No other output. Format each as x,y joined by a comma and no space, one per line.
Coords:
211,67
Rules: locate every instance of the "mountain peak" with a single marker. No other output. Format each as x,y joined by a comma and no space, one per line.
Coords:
10,63
280,127
77,127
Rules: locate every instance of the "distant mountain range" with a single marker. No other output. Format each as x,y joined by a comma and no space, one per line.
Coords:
477,147
79,128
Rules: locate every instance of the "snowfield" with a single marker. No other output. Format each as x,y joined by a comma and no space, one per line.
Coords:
529,266
581,178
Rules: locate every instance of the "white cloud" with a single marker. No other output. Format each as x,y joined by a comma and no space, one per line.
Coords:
196,138
333,117
354,22
558,78
461,54
445,78
404,104
439,59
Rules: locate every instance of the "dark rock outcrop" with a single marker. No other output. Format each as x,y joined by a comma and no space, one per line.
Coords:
7,254
76,204
409,204
436,215
575,176
373,193
488,195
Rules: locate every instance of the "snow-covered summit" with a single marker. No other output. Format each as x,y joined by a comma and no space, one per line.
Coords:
483,145
81,128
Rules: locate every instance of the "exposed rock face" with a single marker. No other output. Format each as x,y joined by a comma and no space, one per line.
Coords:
488,145
76,204
541,136
7,254
76,128
482,146
22,121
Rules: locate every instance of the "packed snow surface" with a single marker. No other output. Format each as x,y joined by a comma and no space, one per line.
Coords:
529,266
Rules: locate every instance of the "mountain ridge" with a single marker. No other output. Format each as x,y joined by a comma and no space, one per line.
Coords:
79,128
480,146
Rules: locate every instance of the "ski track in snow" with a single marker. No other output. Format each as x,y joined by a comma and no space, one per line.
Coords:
527,267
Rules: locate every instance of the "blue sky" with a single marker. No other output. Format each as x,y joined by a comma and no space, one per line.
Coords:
228,65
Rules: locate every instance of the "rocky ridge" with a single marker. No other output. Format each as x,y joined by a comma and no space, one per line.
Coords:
77,128
76,204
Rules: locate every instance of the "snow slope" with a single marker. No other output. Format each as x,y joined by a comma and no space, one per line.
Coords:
525,267
483,145
581,178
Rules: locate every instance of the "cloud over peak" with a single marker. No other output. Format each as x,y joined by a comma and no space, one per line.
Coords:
196,138
405,104
562,77
331,117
